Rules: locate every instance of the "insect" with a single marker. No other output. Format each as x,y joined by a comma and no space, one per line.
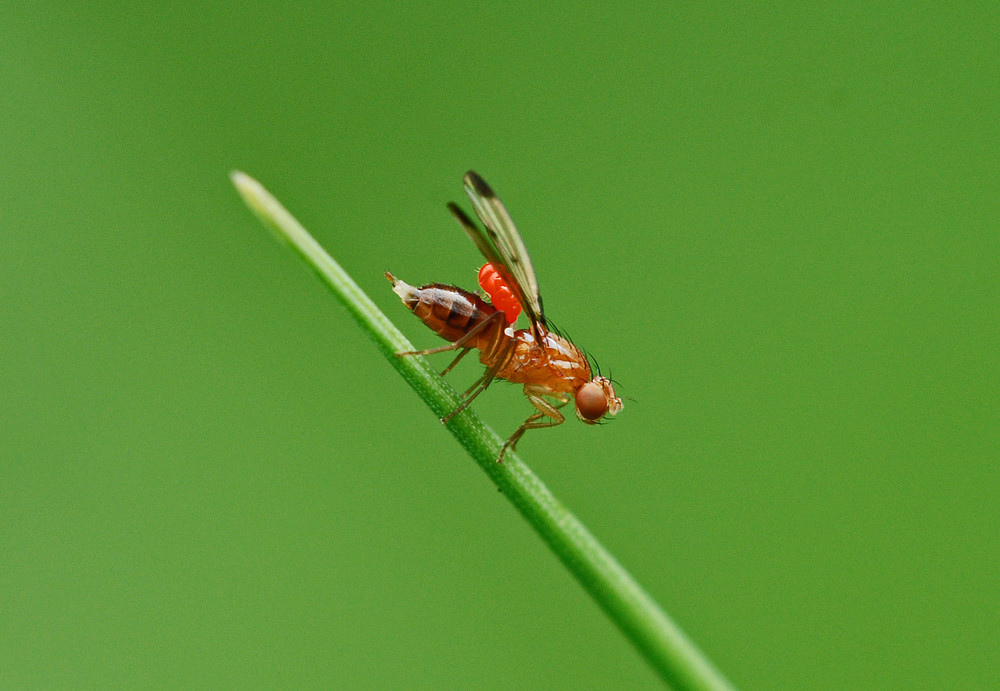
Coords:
552,369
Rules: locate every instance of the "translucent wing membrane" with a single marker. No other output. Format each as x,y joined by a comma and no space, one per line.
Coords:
501,244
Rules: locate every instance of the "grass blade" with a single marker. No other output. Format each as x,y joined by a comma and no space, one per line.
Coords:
662,643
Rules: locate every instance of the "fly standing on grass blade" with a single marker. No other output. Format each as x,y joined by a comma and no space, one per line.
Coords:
549,365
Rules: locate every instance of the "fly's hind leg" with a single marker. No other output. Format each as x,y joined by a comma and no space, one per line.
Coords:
462,343
477,388
465,351
483,382
442,349
536,421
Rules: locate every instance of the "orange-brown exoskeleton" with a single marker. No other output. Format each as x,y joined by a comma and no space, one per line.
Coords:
550,367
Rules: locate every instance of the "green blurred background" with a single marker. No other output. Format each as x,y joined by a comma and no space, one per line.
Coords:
777,226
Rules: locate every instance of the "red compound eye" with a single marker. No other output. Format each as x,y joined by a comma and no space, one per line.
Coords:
499,292
591,402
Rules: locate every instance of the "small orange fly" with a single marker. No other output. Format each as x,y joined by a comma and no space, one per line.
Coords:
549,365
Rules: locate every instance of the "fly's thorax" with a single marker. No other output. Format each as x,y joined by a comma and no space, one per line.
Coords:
556,366
553,364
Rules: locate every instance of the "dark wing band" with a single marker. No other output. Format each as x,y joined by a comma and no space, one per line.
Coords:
501,244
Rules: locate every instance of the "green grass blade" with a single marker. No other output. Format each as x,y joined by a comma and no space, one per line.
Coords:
664,645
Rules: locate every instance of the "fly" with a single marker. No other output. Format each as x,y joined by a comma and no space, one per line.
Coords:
552,369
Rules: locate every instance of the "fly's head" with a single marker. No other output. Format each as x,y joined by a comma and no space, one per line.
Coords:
595,399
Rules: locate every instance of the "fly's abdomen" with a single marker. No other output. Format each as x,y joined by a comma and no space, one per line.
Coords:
447,310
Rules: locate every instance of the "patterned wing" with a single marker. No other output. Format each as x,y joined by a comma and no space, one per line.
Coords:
502,245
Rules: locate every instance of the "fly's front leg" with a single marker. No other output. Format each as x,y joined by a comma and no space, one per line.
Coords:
536,421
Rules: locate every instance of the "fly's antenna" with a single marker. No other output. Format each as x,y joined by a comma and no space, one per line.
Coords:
617,385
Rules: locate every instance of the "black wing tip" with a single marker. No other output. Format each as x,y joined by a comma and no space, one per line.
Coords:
461,216
479,185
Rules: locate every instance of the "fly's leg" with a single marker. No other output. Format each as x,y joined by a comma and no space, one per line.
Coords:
546,409
471,394
465,351
483,382
460,343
